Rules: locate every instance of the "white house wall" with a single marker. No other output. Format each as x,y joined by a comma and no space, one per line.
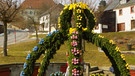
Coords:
126,17
45,20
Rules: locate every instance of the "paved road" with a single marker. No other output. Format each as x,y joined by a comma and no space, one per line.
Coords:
14,36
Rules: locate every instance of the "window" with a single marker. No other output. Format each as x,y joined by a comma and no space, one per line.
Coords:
43,19
132,24
46,17
120,12
132,10
105,26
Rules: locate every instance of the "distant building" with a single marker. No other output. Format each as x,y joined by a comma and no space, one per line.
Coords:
118,16
32,9
125,15
49,19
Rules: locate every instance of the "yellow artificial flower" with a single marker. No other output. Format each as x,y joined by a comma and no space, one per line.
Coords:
72,6
92,31
122,56
58,19
117,49
78,25
79,11
92,75
95,19
41,62
82,5
66,6
84,29
111,41
61,12
71,30
127,66
59,25
79,17
100,36
38,70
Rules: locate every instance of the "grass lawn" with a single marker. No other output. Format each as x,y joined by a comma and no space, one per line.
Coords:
18,52
40,36
122,39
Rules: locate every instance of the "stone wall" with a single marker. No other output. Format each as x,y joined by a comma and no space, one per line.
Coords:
15,69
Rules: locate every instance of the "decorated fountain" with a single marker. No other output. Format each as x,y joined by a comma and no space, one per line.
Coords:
76,22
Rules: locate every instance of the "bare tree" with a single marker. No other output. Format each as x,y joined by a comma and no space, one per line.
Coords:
33,22
100,10
8,10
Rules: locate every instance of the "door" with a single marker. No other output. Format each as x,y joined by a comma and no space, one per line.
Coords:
121,27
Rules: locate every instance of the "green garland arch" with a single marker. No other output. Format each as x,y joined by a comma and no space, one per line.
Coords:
85,22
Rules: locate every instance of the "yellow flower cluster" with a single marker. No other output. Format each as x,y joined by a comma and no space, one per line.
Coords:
127,66
71,30
122,56
111,41
100,36
72,6
117,49
80,5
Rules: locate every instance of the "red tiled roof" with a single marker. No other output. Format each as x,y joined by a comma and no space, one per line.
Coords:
36,4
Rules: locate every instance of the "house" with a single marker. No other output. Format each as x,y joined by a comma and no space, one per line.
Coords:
125,15
118,16
49,18
32,9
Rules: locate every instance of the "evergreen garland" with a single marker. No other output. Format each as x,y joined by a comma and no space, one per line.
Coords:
117,59
46,46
